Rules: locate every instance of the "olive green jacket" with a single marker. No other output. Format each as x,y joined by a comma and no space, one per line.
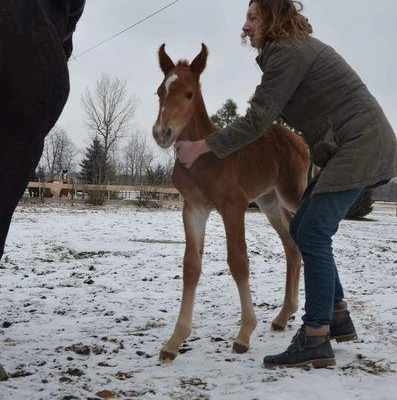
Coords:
315,91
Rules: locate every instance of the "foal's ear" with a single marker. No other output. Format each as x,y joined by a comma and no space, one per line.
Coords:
198,64
166,64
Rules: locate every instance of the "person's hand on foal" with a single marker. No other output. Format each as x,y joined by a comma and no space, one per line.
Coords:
188,152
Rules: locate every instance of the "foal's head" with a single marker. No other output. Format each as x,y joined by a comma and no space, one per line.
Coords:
179,94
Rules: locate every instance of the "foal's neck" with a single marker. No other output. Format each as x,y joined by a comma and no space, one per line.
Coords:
200,125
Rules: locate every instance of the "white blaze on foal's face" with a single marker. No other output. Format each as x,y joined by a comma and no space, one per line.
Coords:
167,85
169,81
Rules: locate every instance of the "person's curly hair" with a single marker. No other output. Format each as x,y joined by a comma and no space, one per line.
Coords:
282,19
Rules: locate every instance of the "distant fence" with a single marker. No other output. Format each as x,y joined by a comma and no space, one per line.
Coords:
384,193
133,192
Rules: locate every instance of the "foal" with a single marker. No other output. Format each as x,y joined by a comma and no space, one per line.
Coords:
272,171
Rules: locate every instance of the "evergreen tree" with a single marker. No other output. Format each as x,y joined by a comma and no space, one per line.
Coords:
226,114
94,165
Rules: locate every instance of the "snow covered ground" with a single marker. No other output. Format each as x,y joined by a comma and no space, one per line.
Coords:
89,295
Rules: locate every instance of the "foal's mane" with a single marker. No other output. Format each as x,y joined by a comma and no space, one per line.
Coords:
182,64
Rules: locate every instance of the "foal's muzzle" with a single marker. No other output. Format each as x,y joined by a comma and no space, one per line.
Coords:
163,138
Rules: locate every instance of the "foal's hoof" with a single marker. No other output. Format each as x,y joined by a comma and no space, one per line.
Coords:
167,356
277,327
239,348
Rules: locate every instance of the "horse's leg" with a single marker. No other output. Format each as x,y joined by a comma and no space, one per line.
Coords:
280,218
19,155
237,258
194,220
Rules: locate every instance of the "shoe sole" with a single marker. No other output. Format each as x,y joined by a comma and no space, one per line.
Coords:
344,338
317,363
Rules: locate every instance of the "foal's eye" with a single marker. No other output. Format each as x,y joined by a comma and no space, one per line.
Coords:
189,95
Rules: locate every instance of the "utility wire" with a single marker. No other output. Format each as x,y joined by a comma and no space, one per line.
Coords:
126,29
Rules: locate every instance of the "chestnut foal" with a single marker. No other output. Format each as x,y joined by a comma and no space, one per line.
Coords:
272,171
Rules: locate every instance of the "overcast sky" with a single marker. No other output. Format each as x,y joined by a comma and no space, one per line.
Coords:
362,31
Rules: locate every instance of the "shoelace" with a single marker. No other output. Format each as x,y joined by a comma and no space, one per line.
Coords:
297,342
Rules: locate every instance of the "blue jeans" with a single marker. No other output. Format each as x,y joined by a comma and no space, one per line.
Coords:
312,227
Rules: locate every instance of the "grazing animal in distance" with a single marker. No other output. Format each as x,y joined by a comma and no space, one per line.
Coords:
272,171
64,179
33,191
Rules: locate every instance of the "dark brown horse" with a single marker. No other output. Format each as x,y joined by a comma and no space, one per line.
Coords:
272,171
36,42
35,45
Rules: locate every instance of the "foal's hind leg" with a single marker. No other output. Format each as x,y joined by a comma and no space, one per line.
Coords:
194,220
280,218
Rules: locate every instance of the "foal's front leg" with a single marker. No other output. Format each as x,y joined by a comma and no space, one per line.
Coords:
194,220
233,218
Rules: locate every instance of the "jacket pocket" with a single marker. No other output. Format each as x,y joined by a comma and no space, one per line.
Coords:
324,150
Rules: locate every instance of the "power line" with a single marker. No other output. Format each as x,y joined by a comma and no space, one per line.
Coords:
126,29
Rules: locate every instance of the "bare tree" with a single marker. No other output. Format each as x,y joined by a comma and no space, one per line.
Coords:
108,112
58,153
138,157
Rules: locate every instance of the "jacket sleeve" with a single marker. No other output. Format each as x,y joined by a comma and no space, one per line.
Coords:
283,69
